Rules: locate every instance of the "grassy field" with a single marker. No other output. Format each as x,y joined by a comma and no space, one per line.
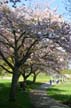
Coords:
23,100
61,92
41,78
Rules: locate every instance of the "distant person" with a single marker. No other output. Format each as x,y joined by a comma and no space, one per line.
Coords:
50,82
57,81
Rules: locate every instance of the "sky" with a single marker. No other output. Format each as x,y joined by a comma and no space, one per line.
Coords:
53,4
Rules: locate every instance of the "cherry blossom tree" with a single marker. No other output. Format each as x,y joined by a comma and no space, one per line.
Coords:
21,31
14,31
48,57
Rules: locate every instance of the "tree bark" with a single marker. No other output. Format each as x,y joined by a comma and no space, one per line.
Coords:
13,88
34,78
24,82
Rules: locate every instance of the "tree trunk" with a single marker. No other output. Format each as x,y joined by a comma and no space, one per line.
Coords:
24,83
34,78
13,89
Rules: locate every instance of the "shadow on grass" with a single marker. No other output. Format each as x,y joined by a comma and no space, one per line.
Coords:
22,100
54,90
31,85
57,95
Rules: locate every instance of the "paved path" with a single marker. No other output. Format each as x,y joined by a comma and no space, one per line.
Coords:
40,99
44,86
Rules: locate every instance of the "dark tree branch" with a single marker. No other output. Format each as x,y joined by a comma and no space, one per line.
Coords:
4,58
26,76
23,60
8,43
6,69
5,43
4,37
21,36
21,43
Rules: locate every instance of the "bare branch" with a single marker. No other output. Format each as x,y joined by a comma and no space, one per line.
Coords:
21,43
5,59
23,60
26,76
6,69
21,36
8,44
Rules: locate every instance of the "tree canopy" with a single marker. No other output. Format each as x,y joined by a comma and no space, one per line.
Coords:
32,37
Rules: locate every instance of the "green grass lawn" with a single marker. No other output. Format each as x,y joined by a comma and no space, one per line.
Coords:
41,78
22,101
61,92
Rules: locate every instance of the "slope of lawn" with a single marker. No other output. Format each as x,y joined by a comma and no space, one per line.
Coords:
61,92
23,100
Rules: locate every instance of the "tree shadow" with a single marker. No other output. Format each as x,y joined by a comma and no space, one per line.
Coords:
4,94
54,90
57,95
31,85
22,100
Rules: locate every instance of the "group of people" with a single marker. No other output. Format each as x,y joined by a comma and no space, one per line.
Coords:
54,82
